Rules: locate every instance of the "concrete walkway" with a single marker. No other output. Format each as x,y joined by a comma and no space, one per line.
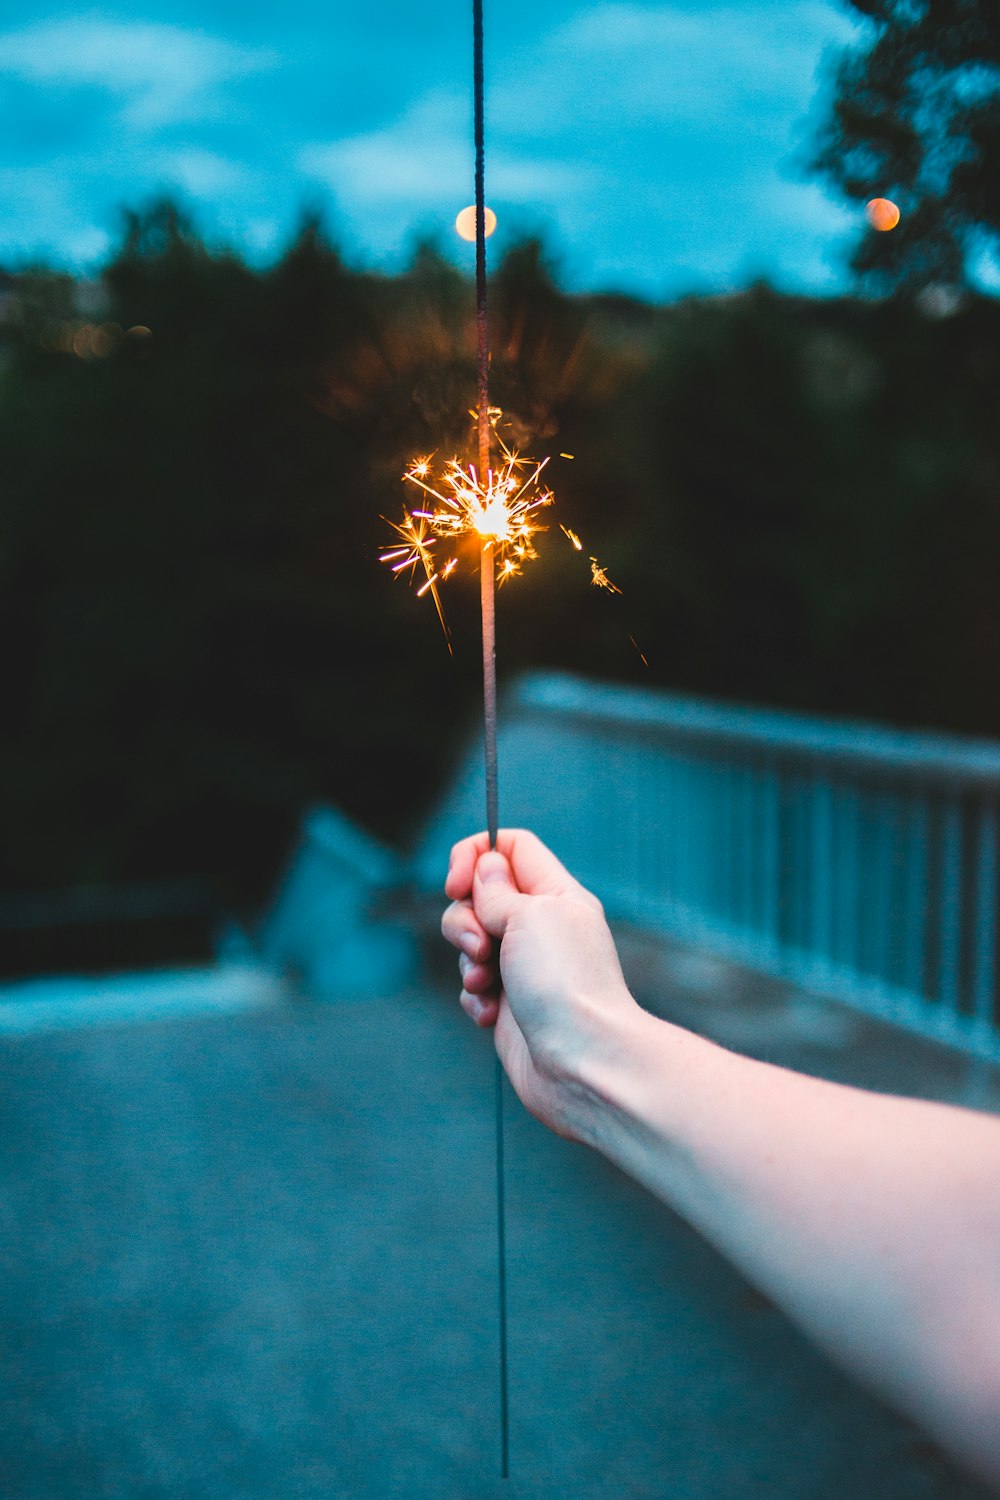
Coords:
250,1256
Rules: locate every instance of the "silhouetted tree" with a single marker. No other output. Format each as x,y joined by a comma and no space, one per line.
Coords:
916,117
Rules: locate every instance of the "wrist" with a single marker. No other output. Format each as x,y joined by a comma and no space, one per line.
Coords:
636,1094
604,1081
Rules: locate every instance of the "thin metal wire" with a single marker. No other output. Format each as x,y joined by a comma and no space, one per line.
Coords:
487,596
482,333
502,1275
488,609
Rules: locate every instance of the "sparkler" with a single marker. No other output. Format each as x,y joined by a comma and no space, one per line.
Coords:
496,504
500,510
498,507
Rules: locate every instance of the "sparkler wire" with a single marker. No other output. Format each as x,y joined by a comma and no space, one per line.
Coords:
487,584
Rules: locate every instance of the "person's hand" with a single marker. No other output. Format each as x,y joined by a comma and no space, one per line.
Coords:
554,991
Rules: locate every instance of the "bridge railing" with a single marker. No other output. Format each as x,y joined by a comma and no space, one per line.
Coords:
851,859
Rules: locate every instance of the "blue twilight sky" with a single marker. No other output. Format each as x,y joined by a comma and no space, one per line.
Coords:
659,148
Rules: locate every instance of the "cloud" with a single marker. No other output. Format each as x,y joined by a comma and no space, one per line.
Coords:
40,210
626,65
656,146
652,136
805,233
162,73
694,120
203,174
424,158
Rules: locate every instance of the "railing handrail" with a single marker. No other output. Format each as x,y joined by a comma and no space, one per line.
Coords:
867,747
857,860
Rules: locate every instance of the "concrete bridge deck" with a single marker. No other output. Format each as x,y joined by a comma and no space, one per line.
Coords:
249,1253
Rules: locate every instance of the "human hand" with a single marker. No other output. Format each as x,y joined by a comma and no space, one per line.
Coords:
554,989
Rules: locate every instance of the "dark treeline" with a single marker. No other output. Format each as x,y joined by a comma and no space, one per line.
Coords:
799,499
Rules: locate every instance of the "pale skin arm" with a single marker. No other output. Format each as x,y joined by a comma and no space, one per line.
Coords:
873,1221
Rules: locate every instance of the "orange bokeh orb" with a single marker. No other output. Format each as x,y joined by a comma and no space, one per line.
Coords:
466,222
882,214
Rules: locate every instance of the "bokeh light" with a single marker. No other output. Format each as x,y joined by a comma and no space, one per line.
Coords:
466,222
882,214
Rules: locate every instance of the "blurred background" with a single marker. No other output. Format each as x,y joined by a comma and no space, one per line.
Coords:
233,306
744,299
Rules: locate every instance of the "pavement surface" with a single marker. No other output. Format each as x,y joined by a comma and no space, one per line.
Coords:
249,1253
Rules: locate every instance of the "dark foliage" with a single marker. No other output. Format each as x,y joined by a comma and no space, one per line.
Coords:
916,118
798,500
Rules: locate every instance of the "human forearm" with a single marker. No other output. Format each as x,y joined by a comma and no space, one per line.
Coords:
872,1221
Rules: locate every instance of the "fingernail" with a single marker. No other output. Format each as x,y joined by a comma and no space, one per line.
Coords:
493,867
469,944
476,1007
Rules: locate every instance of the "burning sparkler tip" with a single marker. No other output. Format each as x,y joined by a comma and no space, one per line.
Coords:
498,507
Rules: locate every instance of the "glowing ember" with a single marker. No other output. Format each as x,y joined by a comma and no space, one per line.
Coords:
600,579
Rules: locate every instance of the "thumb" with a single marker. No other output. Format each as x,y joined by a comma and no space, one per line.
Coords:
494,894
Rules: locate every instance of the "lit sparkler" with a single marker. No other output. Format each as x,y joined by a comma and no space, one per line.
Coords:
502,512
500,509
497,505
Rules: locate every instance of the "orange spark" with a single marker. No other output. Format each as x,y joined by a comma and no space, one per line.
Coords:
600,579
